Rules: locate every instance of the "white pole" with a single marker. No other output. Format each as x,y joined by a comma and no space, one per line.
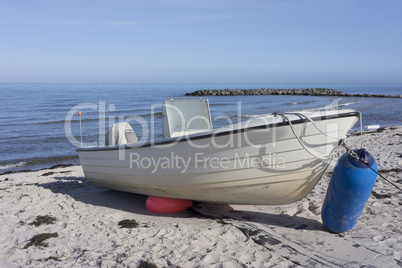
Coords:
79,114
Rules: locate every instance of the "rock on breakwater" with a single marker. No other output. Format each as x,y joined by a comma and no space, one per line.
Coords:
267,91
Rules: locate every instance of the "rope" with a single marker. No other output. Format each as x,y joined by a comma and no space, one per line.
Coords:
355,156
311,120
350,152
322,132
315,154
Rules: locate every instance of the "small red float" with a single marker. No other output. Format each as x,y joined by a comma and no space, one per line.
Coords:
157,204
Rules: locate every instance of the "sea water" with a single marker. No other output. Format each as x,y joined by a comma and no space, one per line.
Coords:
40,127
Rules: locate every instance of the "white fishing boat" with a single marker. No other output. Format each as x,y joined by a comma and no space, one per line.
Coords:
274,159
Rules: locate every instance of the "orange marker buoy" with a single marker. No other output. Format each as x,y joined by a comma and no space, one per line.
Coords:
79,113
167,205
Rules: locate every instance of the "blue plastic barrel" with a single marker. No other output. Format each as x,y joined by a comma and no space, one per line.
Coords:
349,189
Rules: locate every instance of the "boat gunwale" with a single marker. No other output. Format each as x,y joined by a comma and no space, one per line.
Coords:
216,133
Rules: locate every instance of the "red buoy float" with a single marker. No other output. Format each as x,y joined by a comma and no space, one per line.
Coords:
157,204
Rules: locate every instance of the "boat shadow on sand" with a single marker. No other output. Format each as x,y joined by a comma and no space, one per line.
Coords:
83,191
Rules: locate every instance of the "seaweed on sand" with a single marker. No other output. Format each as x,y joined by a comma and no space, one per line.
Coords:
128,224
39,240
40,220
147,264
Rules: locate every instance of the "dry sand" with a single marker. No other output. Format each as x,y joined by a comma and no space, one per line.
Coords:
81,225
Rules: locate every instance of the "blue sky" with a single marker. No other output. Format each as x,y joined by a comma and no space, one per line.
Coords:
271,41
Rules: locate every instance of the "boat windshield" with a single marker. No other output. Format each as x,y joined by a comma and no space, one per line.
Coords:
185,116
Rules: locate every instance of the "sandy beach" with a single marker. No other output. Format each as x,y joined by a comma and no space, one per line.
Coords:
55,218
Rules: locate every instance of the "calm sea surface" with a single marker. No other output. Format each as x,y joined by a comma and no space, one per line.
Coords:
34,117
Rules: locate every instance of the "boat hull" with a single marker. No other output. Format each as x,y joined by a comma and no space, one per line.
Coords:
267,162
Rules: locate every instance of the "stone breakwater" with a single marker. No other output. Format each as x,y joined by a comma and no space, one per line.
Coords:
267,91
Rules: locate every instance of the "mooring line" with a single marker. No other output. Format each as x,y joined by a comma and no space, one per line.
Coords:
355,156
